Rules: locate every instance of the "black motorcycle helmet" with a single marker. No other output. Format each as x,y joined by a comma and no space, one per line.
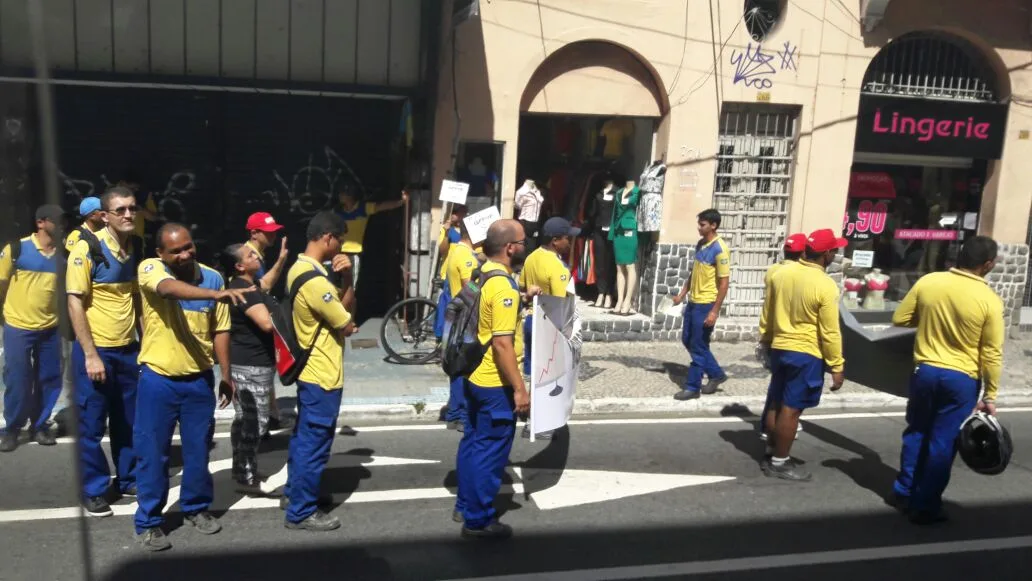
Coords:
984,444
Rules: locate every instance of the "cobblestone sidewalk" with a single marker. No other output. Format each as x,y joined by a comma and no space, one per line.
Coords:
658,369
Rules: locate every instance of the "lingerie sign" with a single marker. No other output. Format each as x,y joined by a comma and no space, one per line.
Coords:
930,127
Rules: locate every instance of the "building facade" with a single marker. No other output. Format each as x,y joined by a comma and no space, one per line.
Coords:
903,124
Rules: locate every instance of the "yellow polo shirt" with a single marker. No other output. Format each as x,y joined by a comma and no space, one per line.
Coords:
768,280
107,290
31,302
319,301
74,236
500,315
179,336
450,233
461,264
960,326
712,262
357,220
803,315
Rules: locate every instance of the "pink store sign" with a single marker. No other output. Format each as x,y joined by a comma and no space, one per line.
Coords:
904,234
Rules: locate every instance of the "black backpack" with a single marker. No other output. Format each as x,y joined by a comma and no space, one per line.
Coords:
463,351
291,358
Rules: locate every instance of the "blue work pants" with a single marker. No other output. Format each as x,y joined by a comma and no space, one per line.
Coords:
32,376
310,445
696,338
484,452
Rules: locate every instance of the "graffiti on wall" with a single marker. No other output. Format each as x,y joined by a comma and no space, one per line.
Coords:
170,200
756,68
311,188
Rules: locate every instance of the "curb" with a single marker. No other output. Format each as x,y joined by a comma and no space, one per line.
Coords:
716,405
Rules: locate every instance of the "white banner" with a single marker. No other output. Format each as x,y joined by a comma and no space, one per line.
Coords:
554,364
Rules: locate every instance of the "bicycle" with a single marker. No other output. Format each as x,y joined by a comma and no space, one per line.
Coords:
414,318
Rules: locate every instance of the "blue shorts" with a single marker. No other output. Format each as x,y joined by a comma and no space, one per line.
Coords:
797,379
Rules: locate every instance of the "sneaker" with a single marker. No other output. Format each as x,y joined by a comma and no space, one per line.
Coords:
96,506
457,425
456,516
43,438
924,518
204,522
898,502
787,471
711,386
8,442
318,522
154,540
495,530
130,491
686,394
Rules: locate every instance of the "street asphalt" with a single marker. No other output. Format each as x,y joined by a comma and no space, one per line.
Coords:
610,498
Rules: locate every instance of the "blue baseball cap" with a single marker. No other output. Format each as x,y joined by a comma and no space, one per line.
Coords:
88,206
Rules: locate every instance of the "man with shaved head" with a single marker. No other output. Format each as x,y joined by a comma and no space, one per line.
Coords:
185,329
495,392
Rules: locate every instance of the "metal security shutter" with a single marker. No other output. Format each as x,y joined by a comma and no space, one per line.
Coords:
752,190
166,137
291,155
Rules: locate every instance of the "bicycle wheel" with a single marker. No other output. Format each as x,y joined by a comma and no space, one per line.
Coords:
407,332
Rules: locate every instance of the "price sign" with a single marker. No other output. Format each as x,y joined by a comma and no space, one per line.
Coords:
867,220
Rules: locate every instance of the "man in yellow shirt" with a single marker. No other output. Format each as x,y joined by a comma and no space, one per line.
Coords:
104,308
92,220
451,234
495,391
705,290
804,338
32,345
185,330
462,262
959,353
356,218
322,320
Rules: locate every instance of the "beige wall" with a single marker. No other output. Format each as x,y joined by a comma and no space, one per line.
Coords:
500,53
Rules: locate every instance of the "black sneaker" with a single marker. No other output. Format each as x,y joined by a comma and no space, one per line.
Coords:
96,506
711,386
204,522
924,518
130,491
686,394
318,522
8,442
321,501
787,471
456,516
495,530
43,438
153,540
898,502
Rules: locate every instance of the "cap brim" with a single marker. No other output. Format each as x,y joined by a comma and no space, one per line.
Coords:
841,243
573,231
268,227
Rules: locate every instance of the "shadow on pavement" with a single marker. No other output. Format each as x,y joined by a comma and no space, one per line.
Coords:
450,557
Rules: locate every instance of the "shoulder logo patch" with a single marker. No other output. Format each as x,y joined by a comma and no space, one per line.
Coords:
77,261
146,268
562,277
328,297
723,261
469,263
507,303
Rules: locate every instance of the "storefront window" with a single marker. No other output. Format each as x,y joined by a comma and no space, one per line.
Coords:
904,221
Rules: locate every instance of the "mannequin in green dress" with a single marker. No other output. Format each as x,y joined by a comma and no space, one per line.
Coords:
623,232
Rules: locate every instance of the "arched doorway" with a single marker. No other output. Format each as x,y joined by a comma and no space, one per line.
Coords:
931,120
589,118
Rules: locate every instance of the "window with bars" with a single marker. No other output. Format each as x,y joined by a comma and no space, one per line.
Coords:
752,186
931,66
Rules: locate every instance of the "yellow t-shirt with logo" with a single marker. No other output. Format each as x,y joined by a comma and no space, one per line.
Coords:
959,320
544,269
74,236
179,339
500,315
31,302
107,290
461,264
357,220
319,301
802,311
447,233
712,262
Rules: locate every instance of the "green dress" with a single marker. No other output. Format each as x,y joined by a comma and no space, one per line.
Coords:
623,228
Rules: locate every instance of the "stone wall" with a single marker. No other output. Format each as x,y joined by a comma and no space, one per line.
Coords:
1008,280
663,274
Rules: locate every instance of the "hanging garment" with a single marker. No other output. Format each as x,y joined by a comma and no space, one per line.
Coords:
650,206
623,230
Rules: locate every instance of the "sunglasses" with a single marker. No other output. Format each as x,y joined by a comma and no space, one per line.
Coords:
123,210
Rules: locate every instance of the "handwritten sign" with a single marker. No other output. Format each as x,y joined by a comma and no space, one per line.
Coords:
863,258
477,224
454,192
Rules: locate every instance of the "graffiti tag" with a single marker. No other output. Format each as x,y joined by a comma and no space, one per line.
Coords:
756,68
312,187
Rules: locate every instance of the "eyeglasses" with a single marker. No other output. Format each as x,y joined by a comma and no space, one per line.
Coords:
123,210
522,242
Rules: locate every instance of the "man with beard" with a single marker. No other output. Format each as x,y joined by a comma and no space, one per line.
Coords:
92,221
104,308
32,346
185,322
546,269
495,391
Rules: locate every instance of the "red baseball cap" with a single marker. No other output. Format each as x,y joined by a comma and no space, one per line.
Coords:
796,242
824,240
263,221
